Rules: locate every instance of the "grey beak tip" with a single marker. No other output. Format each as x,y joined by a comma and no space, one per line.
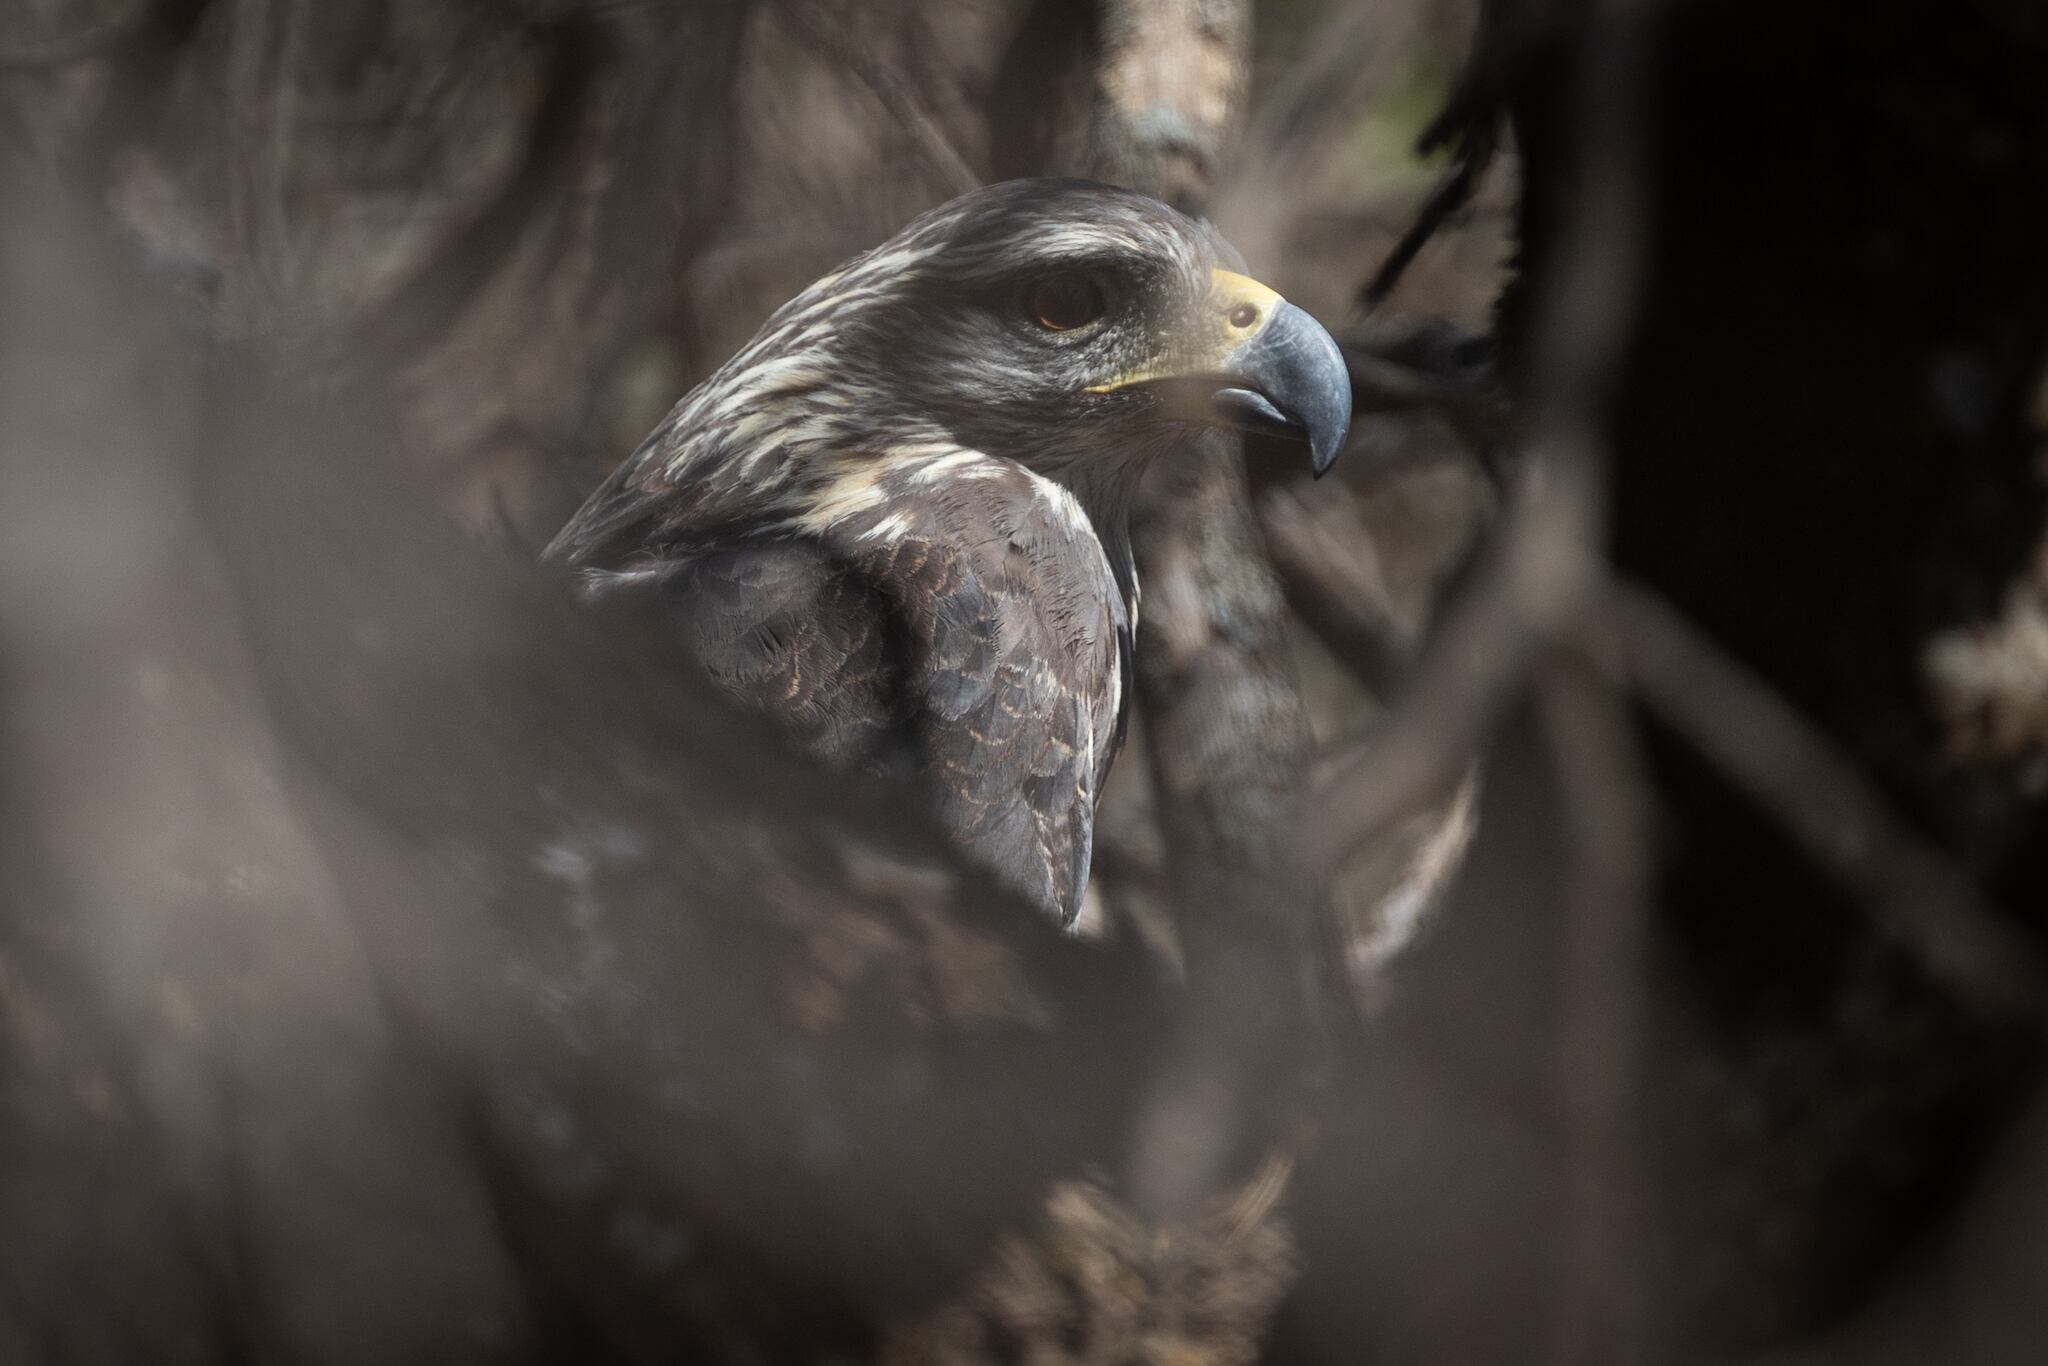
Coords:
1317,384
1289,380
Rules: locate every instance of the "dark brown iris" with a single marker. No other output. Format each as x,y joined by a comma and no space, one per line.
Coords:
1065,302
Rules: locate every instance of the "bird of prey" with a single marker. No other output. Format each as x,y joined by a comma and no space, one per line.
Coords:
896,519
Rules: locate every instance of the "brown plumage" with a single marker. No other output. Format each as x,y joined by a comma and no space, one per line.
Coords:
895,520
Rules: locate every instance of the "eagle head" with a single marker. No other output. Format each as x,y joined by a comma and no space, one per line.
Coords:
1072,327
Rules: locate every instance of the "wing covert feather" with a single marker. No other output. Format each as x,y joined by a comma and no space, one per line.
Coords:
980,646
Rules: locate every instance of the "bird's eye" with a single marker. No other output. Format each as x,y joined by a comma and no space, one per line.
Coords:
1065,302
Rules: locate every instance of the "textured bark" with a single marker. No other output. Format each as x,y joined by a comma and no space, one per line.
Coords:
1170,81
1223,721
1226,730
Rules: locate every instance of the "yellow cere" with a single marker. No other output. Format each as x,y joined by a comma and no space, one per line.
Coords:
1246,305
1243,307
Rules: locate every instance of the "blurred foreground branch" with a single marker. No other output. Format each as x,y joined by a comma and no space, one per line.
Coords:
1915,893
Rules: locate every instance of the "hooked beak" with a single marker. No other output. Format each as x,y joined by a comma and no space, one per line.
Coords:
1263,366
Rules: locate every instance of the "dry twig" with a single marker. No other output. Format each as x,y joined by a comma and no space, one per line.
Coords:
1731,716
1334,588
87,44
823,29
1532,584
1609,828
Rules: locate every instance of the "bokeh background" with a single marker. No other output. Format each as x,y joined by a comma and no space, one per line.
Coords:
1573,890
